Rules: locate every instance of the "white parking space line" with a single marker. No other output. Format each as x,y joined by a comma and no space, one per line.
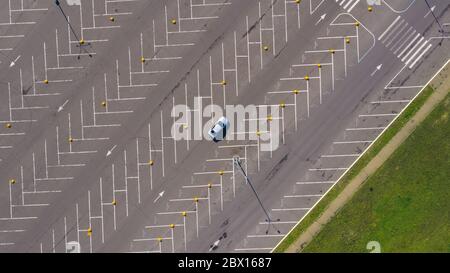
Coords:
18,218
327,169
265,235
278,223
389,101
353,142
378,115
253,249
291,209
334,156
187,199
316,182
174,212
365,129
302,196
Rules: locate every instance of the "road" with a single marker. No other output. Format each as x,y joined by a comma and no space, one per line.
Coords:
87,153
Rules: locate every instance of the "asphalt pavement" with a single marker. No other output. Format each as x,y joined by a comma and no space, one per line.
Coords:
86,147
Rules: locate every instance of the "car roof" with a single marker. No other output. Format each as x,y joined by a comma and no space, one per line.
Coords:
216,127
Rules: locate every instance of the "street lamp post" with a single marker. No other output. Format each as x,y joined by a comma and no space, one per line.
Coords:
70,25
237,162
441,29
65,16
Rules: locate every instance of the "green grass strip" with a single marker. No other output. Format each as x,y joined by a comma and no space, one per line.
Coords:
404,205
315,213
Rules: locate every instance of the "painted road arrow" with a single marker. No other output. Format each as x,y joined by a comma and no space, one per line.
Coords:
376,70
62,106
159,196
430,11
13,63
110,151
321,18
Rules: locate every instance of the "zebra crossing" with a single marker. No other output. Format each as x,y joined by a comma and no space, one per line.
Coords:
348,5
405,42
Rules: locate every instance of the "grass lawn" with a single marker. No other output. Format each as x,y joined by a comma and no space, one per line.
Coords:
405,205
315,213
